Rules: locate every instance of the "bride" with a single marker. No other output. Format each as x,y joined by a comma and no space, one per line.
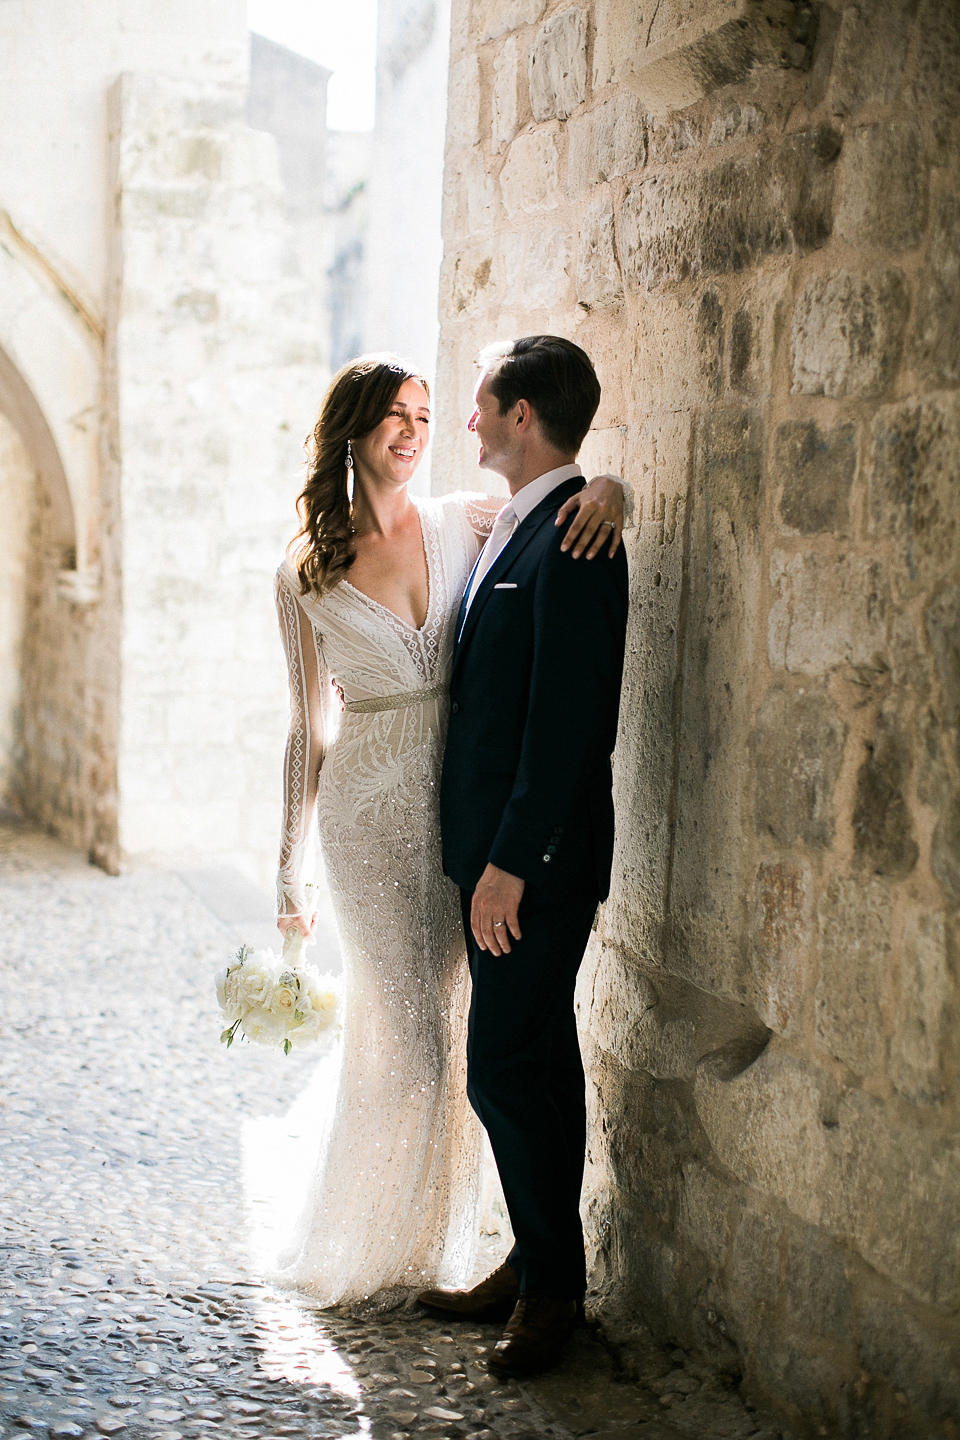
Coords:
396,1196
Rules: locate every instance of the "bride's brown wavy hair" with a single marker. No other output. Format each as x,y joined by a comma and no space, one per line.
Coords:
359,398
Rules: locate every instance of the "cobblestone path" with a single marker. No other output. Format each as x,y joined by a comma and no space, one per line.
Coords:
129,1301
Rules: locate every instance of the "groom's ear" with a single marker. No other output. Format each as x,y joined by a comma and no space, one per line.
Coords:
526,416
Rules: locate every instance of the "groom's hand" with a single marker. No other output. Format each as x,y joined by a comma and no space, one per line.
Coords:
496,898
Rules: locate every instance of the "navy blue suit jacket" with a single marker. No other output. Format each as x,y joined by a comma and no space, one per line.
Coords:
534,702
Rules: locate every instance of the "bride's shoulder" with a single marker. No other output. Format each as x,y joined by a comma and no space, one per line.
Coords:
456,506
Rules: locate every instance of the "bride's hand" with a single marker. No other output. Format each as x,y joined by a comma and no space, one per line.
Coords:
597,516
306,924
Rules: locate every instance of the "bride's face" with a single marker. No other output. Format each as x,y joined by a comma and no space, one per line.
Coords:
392,452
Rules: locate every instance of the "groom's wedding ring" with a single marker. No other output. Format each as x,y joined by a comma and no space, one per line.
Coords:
607,522
496,923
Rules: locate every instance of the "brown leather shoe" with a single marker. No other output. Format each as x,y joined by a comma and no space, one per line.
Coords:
493,1299
536,1333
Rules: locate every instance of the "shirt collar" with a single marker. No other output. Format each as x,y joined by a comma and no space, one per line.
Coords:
528,498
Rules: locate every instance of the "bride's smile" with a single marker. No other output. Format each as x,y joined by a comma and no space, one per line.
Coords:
391,453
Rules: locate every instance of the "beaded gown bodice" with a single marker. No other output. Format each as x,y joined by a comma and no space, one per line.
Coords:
396,1196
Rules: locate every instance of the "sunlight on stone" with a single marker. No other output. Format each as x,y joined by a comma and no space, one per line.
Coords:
280,1159
299,1352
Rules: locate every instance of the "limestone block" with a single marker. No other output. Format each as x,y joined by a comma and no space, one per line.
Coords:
848,331
707,1213
755,1273
913,487
619,31
782,944
558,66
892,1168
727,218
829,611
882,827
684,51
767,1125
470,195
936,88
606,142
935,341
943,631
665,1026
669,137
854,949
815,470
816,1287
537,263
463,105
883,186
870,51
497,17
798,748
945,851
598,271
754,330
505,93
528,180
668,325
921,1015
913,1353
736,123
470,280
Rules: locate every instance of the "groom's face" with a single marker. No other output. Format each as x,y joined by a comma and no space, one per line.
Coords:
494,431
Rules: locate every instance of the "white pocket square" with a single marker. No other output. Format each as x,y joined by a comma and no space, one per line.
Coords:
504,586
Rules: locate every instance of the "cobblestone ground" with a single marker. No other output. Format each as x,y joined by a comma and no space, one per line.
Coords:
129,1298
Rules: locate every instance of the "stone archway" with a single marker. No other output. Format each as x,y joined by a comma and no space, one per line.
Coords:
54,699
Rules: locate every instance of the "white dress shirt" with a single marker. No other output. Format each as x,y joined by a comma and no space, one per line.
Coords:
516,510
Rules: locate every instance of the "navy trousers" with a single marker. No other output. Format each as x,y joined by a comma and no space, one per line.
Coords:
525,1081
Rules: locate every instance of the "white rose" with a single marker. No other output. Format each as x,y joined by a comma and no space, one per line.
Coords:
262,1027
255,980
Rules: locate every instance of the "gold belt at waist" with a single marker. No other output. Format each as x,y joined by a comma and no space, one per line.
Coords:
394,702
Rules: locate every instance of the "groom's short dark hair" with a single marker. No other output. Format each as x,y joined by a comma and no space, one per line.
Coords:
554,376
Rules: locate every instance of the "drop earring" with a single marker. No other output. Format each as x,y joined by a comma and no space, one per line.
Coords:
350,474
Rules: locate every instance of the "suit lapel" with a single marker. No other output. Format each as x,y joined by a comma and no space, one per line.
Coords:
508,556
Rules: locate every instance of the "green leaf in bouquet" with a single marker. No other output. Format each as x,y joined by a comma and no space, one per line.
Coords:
287,1047
227,1036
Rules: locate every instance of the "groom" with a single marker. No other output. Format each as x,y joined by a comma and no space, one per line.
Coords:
527,826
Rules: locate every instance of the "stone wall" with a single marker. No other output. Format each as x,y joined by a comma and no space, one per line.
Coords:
161,359
216,366
748,215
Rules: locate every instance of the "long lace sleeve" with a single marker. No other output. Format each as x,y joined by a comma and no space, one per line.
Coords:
309,684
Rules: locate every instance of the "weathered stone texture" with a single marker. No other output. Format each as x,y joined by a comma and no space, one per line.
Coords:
815,470
829,612
730,217
848,332
798,748
935,342
528,180
606,142
883,202
761,255
558,66
853,969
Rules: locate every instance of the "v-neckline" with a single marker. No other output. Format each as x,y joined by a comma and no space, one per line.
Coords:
378,605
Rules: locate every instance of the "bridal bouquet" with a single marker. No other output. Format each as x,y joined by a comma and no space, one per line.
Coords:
277,999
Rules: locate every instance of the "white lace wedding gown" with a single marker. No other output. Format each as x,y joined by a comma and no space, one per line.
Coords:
397,1192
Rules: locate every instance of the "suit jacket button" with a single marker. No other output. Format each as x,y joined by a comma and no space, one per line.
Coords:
551,850
454,708
546,859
